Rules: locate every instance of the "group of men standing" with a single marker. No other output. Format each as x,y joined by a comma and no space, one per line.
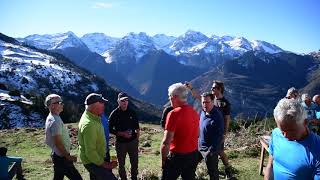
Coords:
93,138
188,137
181,149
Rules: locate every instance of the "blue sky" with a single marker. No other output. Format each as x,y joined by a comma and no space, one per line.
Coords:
293,25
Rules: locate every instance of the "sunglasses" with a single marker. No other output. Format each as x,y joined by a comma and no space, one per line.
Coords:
124,100
213,88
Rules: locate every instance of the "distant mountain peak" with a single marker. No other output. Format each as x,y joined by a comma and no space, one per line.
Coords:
54,41
99,42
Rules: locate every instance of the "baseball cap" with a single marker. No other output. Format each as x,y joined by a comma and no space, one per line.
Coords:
93,98
122,96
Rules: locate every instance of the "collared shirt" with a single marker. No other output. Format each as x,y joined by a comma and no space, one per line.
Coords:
91,137
211,130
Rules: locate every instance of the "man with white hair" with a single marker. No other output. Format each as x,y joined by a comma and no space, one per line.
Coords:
180,141
57,138
310,108
294,150
92,141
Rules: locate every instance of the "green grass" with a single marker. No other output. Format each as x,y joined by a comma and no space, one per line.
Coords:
29,144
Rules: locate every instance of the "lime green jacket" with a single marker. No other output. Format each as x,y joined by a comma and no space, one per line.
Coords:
92,143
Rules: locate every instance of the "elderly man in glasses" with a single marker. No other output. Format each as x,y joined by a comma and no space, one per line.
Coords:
123,123
57,138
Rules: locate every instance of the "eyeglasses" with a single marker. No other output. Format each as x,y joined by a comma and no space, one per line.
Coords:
58,102
124,100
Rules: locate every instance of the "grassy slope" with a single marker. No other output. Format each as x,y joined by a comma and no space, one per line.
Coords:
242,150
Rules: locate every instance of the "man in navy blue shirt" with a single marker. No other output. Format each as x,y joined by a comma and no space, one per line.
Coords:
294,149
211,134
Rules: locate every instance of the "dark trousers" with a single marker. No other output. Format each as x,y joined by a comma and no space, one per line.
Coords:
180,164
211,160
15,169
99,173
63,167
132,149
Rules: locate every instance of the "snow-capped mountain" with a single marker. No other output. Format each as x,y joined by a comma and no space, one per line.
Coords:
54,41
29,71
23,67
99,42
265,47
162,41
194,42
187,41
131,46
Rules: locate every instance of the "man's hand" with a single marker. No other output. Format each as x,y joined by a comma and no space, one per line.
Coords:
125,134
110,165
189,85
71,158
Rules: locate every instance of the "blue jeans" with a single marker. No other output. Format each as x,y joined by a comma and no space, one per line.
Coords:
63,167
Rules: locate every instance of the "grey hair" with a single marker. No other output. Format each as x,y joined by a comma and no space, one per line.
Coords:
47,101
180,90
289,110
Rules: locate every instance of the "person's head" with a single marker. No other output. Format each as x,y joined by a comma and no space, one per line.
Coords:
291,117
54,103
95,103
292,93
316,99
3,151
207,101
217,88
306,98
123,101
178,94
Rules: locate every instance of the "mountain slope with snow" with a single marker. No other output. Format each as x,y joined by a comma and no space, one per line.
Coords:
54,41
134,46
99,42
27,70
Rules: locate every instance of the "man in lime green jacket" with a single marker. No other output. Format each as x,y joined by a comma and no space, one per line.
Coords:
92,142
